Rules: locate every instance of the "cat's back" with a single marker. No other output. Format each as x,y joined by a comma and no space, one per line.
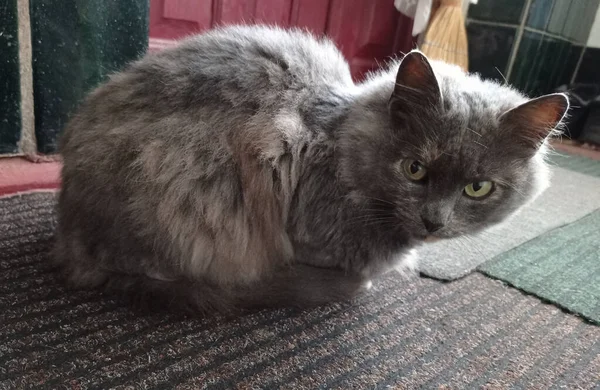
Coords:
221,78
236,66
262,56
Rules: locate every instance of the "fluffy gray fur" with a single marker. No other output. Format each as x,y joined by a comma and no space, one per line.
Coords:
245,168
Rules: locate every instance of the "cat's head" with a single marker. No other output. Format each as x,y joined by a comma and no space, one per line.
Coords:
442,153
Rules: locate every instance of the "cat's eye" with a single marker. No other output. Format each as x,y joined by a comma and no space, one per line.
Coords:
479,189
414,170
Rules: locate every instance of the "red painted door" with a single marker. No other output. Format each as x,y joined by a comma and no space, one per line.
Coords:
367,31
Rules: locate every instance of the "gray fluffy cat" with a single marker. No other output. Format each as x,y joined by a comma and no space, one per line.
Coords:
245,168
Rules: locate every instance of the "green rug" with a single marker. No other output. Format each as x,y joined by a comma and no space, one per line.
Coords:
562,266
579,164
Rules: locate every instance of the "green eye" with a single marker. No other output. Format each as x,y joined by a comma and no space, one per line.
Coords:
479,189
414,170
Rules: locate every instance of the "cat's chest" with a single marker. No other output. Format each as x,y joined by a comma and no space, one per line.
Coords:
363,249
327,228
329,231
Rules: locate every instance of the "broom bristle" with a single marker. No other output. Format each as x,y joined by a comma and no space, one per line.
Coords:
446,36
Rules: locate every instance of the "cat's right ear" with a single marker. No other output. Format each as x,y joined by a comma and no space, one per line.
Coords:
532,122
416,85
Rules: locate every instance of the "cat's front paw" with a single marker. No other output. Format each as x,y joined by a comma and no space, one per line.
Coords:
408,264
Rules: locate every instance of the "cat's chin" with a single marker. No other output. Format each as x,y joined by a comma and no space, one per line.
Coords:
426,238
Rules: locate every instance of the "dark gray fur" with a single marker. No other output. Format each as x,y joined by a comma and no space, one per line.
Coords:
245,168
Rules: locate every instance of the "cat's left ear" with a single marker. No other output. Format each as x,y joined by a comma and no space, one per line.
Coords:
416,84
534,121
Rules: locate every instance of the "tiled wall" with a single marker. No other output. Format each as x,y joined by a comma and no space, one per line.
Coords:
589,67
535,44
73,46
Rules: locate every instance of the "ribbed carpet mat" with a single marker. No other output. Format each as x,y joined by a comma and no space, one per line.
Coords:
417,333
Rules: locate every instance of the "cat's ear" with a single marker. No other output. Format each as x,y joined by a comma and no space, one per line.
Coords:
532,122
416,84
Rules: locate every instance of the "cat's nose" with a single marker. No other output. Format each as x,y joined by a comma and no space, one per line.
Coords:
432,226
